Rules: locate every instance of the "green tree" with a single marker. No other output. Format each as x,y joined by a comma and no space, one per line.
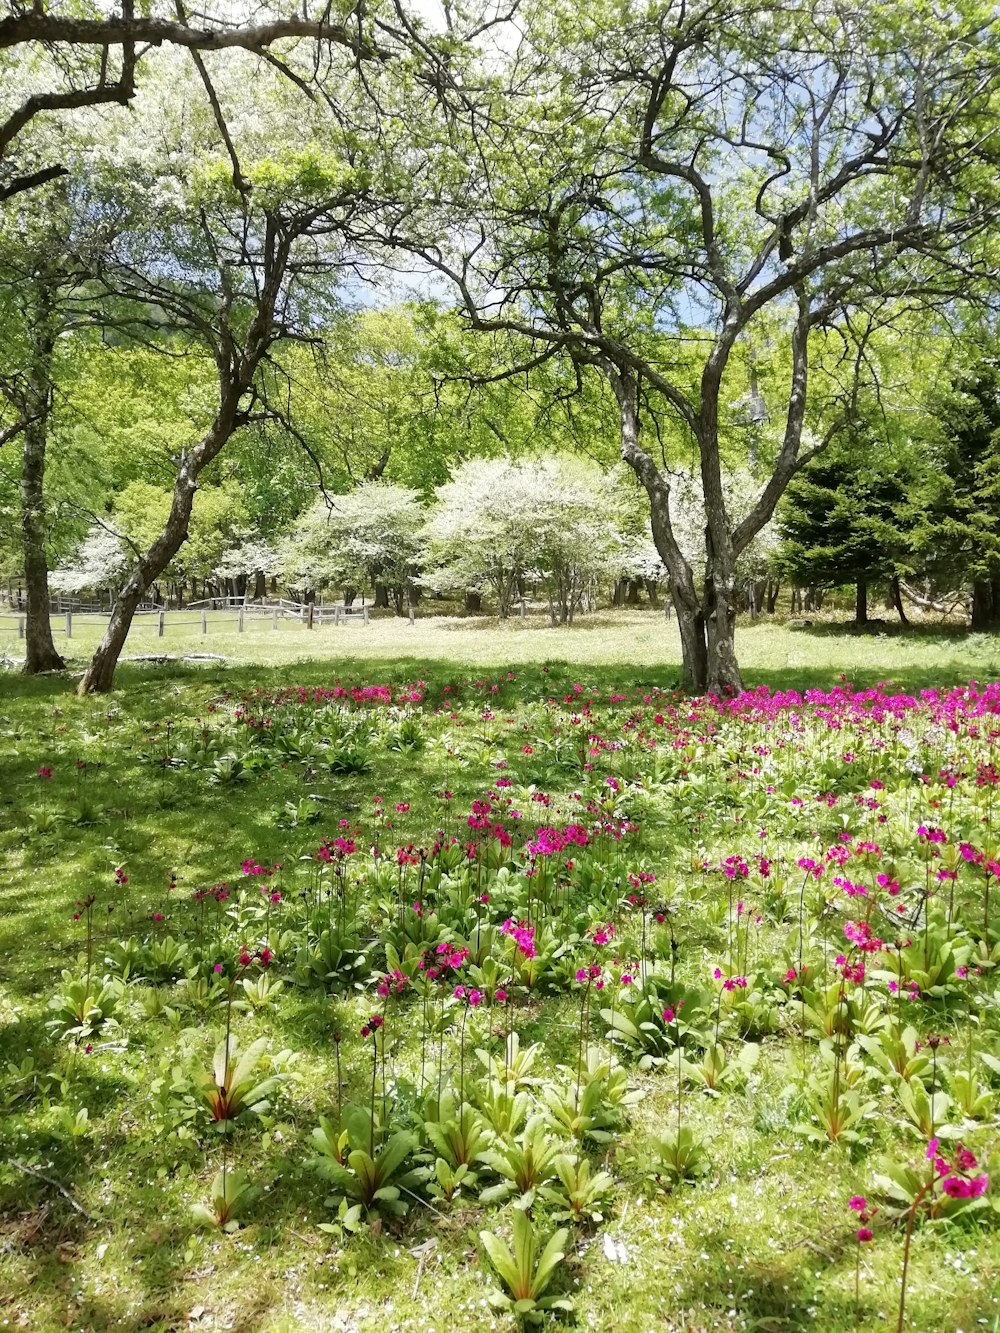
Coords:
961,530
847,518
680,174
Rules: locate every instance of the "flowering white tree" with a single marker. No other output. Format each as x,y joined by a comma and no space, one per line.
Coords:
499,521
100,562
370,535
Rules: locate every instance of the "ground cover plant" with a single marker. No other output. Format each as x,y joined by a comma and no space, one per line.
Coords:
399,999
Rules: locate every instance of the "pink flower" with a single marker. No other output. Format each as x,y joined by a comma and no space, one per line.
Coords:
500,995
668,1015
858,1203
864,1235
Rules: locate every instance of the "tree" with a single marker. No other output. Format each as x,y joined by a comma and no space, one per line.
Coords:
961,530
484,532
86,57
847,518
686,171
370,535
232,254
99,563
42,265
500,521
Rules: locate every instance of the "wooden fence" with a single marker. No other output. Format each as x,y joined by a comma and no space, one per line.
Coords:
233,610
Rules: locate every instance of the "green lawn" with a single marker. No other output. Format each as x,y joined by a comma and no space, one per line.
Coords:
638,641
114,1145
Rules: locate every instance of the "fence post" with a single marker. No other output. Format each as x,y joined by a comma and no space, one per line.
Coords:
274,618
204,622
239,621
522,608
69,624
160,618
20,627
364,612
312,609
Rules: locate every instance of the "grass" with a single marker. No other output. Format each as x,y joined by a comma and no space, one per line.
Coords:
761,1244
641,642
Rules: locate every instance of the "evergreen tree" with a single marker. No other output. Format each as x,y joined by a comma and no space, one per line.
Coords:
961,533
847,518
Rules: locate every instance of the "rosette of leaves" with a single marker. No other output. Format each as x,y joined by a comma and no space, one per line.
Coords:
582,1194
523,1163
929,960
335,960
637,1025
717,1070
526,1272
677,1156
365,1181
85,1005
454,1136
512,1069
591,1107
925,1111
350,760
406,735
896,1053
837,1112
233,1087
230,1196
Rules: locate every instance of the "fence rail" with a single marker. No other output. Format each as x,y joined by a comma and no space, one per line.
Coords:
308,614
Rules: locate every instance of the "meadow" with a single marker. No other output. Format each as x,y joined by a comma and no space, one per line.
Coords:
450,976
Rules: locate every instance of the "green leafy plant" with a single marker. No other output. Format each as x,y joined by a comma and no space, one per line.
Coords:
366,1182
677,1156
85,1005
232,1087
582,1194
526,1272
592,1106
231,1195
523,1163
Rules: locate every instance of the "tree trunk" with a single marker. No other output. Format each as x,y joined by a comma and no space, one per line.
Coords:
618,595
381,596
984,611
652,593
773,589
349,596
99,676
897,599
473,601
40,651
861,603
259,587
720,625
690,613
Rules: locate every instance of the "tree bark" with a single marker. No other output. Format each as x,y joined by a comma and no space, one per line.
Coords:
897,599
984,612
40,651
690,612
473,601
381,596
861,603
